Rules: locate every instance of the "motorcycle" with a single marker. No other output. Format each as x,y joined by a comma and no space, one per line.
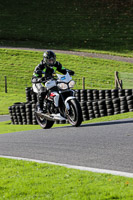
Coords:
59,103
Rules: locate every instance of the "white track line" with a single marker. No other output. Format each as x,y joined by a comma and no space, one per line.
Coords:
96,170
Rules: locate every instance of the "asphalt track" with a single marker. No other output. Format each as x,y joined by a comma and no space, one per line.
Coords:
4,118
105,145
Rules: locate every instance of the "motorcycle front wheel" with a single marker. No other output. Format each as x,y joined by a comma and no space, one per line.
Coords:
74,114
44,123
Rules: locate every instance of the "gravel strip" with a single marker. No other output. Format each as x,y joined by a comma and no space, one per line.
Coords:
92,55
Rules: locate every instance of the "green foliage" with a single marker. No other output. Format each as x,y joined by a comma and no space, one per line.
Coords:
96,25
29,180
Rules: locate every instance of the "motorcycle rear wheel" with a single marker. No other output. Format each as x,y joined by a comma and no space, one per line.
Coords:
44,123
74,115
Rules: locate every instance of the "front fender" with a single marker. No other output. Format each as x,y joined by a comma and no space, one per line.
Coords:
66,102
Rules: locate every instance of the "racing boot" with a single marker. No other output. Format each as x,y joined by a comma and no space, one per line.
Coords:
40,100
40,106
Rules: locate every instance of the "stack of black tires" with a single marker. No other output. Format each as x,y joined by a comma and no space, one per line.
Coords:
23,113
94,103
100,103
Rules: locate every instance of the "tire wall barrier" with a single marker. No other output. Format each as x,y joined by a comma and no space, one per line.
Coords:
94,103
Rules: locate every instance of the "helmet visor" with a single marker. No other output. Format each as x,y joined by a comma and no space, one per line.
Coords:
51,61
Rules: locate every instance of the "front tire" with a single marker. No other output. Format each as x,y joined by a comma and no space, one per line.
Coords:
74,115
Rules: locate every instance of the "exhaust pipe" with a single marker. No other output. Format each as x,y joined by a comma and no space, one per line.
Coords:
52,117
45,116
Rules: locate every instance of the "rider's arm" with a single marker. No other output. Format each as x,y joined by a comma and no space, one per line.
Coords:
62,69
37,74
38,71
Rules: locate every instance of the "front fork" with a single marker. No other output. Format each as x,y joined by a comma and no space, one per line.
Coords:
66,104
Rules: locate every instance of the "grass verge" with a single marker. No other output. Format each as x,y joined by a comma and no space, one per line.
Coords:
18,66
23,180
7,127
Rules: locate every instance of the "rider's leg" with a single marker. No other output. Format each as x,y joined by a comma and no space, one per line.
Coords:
40,90
40,98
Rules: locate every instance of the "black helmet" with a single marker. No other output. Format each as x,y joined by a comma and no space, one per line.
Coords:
49,58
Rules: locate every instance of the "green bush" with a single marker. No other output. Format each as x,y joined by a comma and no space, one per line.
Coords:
96,25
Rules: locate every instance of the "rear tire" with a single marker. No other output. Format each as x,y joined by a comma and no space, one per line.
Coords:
74,115
44,123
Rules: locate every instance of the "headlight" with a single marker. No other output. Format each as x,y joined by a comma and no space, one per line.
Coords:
62,86
71,84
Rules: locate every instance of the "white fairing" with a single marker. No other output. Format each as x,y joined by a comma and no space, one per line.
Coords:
56,99
61,78
64,78
34,86
49,84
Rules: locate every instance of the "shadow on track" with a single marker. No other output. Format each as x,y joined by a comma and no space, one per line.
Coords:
108,123
100,124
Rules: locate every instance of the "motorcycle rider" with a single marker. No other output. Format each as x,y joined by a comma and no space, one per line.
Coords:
47,67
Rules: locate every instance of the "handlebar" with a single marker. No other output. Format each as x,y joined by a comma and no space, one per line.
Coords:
45,79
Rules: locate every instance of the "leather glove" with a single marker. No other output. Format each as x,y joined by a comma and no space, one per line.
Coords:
71,72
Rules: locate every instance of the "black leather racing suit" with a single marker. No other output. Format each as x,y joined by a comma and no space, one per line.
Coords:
42,68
